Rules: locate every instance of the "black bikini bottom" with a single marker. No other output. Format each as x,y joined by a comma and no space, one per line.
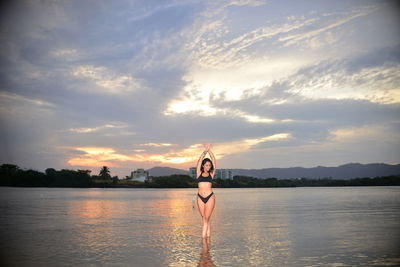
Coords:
205,199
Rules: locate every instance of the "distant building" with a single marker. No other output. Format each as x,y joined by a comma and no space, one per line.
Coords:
225,174
139,175
192,172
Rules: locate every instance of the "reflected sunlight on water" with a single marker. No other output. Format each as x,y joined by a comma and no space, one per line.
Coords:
317,226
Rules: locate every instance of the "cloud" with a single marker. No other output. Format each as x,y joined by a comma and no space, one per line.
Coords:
106,80
96,129
210,49
6,97
155,144
27,130
97,156
366,76
295,38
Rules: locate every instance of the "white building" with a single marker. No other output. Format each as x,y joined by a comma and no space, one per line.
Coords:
225,174
139,175
192,172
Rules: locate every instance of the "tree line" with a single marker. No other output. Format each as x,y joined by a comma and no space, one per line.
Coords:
12,175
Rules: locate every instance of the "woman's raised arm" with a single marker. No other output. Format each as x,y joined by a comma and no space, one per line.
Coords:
214,161
198,169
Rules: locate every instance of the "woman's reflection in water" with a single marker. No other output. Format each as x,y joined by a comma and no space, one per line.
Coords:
205,258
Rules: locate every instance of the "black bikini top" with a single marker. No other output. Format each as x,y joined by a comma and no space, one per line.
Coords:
201,178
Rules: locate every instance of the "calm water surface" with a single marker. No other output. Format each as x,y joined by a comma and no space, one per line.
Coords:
306,226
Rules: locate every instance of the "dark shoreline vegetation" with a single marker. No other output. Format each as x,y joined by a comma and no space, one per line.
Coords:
12,175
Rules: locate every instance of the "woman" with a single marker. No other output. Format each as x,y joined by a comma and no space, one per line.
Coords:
206,198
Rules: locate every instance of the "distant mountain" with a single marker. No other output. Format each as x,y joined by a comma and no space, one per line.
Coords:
165,171
346,171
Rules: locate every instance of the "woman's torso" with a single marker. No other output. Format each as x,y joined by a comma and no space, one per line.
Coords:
204,184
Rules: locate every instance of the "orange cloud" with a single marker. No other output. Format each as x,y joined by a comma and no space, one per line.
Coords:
104,156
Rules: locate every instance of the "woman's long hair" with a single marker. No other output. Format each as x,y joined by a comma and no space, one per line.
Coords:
204,162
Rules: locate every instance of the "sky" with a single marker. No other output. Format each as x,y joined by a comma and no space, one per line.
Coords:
140,84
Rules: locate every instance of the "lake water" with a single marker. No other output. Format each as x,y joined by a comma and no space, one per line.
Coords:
304,226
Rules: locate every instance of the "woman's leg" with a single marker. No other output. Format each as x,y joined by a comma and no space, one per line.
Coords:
201,206
209,207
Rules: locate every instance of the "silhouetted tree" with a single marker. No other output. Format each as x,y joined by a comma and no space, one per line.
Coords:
8,172
105,173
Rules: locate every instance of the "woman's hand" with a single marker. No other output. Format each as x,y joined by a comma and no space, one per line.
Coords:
207,146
